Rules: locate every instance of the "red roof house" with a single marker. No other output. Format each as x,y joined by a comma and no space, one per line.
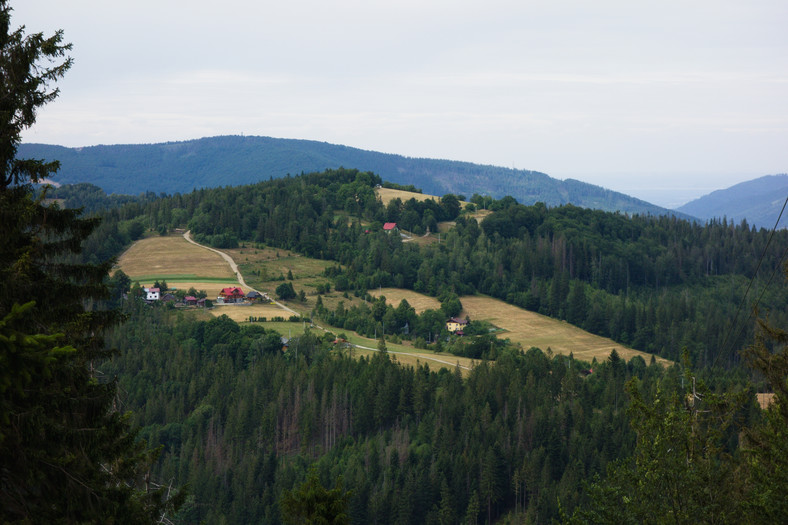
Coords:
234,292
389,226
232,295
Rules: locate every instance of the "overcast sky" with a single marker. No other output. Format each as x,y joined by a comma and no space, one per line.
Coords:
663,100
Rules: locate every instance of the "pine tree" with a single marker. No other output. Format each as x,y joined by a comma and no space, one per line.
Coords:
311,502
766,444
67,455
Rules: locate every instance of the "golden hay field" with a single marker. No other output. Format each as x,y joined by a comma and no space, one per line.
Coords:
435,362
419,302
524,327
532,329
175,259
241,313
387,195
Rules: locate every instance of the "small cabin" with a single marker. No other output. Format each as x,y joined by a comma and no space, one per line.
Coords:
190,300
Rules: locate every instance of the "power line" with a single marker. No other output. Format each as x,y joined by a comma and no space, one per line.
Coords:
749,285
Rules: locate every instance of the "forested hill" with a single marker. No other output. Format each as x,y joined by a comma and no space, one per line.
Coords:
758,200
656,284
242,421
179,167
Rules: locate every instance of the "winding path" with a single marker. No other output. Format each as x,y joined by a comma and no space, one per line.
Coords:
187,235
234,267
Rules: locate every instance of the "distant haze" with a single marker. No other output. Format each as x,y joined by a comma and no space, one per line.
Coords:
665,101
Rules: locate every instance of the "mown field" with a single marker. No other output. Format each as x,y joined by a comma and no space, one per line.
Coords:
387,195
241,312
402,353
524,327
418,301
263,268
185,265
180,263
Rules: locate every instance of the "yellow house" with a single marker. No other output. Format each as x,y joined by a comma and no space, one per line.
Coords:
455,325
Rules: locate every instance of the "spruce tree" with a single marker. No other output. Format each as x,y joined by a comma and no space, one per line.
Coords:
66,454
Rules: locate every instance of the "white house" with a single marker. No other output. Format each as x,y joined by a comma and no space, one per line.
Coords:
151,294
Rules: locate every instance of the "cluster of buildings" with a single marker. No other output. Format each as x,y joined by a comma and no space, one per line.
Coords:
235,295
154,294
231,295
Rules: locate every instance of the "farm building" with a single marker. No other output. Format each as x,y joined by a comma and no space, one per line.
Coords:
151,294
190,300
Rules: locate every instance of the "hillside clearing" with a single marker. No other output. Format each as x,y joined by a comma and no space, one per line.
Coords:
524,327
241,312
532,329
388,194
173,259
418,301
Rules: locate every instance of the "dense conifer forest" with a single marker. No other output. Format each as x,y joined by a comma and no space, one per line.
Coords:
240,422
179,416
239,160
658,284
521,438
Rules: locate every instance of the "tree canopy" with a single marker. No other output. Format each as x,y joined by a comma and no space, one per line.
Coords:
67,453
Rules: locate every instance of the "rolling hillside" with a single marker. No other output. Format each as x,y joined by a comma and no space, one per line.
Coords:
234,160
759,201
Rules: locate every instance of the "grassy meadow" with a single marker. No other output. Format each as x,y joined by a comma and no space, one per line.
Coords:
180,263
524,327
402,353
387,195
263,267
533,329
418,301
184,265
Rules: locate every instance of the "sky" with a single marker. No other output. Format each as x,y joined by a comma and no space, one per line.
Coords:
665,101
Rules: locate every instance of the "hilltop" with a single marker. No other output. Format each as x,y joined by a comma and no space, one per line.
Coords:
179,167
759,201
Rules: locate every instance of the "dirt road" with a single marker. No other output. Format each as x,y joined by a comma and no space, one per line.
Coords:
187,235
234,267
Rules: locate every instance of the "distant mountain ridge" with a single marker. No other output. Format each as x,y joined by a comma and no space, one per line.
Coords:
234,160
759,201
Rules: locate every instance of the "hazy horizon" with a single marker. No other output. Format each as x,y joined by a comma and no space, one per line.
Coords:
664,102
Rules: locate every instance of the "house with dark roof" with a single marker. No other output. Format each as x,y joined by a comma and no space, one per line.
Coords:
456,325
